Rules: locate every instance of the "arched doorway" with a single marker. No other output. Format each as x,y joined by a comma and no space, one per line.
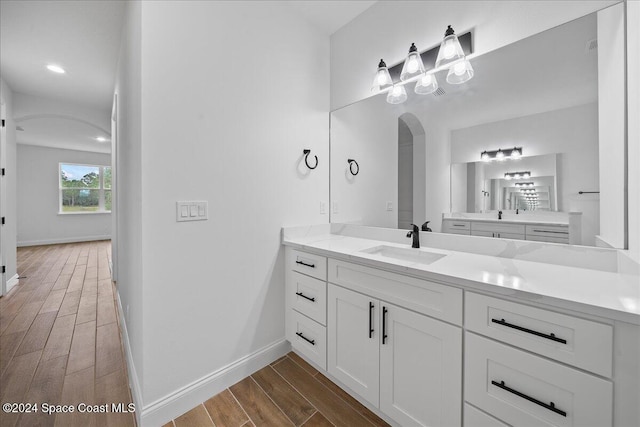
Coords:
411,171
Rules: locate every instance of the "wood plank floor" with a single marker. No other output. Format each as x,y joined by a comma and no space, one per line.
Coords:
60,337
289,392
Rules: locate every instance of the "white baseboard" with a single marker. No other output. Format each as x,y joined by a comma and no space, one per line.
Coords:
63,240
12,282
134,384
182,400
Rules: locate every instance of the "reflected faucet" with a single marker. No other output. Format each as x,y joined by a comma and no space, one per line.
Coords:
499,214
416,236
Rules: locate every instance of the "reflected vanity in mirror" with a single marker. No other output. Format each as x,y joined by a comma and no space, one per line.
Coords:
422,160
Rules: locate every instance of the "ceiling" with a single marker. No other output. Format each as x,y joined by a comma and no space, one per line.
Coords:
329,15
81,36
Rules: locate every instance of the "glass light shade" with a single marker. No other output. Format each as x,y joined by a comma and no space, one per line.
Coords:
413,65
500,155
460,72
526,175
382,79
484,156
397,95
450,49
515,153
426,84
507,177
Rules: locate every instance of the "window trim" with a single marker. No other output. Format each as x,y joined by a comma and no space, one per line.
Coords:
100,188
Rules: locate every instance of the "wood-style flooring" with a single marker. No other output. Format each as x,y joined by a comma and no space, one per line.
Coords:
289,392
60,337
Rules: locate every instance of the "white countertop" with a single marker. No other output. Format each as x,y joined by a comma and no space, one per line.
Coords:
601,293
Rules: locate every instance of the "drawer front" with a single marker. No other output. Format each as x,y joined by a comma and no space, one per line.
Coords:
462,232
308,337
474,417
496,227
589,345
308,296
558,231
305,263
549,239
496,234
454,225
526,390
435,300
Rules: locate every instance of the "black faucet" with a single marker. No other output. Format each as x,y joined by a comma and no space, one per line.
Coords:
416,236
425,226
499,214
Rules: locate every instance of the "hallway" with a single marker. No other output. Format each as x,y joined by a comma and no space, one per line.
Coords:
59,336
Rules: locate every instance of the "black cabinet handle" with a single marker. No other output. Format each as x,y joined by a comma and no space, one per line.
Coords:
459,225
550,336
312,342
300,294
305,264
370,319
550,231
551,406
384,324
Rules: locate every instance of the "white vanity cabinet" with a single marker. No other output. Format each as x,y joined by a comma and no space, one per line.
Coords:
519,230
406,364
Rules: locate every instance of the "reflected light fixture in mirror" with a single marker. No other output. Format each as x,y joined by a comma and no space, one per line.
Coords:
382,79
460,72
426,84
397,95
450,49
413,65
524,184
500,154
517,175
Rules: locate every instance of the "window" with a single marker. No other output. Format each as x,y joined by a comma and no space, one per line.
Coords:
84,188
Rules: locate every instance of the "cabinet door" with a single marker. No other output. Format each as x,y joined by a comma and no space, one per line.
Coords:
420,369
353,344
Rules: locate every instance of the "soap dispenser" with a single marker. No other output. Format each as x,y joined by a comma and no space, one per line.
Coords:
425,226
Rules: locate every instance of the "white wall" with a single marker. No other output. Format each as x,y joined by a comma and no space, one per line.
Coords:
38,198
386,29
229,102
570,131
633,137
611,125
128,195
9,211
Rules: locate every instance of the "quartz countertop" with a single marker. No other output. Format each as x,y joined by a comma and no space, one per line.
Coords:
601,293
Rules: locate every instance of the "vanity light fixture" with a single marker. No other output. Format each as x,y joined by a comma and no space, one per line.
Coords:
517,175
413,65
397,94
524,184
382,80
450,49
500,154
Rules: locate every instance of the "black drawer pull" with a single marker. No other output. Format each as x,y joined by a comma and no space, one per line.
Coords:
312,342
459,225
305,264
300,294
384,324
551,406
550,231
370,319
550,336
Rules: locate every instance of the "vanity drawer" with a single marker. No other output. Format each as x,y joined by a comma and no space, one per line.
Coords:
497,235
308,296
587,344
556,231
435,300
473,417
523,389
548,239
308,337
452,226
497,227
306,263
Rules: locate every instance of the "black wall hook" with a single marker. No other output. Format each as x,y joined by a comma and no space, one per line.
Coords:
351,163
306,152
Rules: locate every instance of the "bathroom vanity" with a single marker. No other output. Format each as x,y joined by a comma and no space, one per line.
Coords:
451,335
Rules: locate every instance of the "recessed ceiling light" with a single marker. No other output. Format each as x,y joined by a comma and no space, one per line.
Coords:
101,139
55,68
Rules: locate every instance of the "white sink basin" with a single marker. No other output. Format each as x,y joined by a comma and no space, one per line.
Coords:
404,254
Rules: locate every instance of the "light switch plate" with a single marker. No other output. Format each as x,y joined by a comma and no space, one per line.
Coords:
192,211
